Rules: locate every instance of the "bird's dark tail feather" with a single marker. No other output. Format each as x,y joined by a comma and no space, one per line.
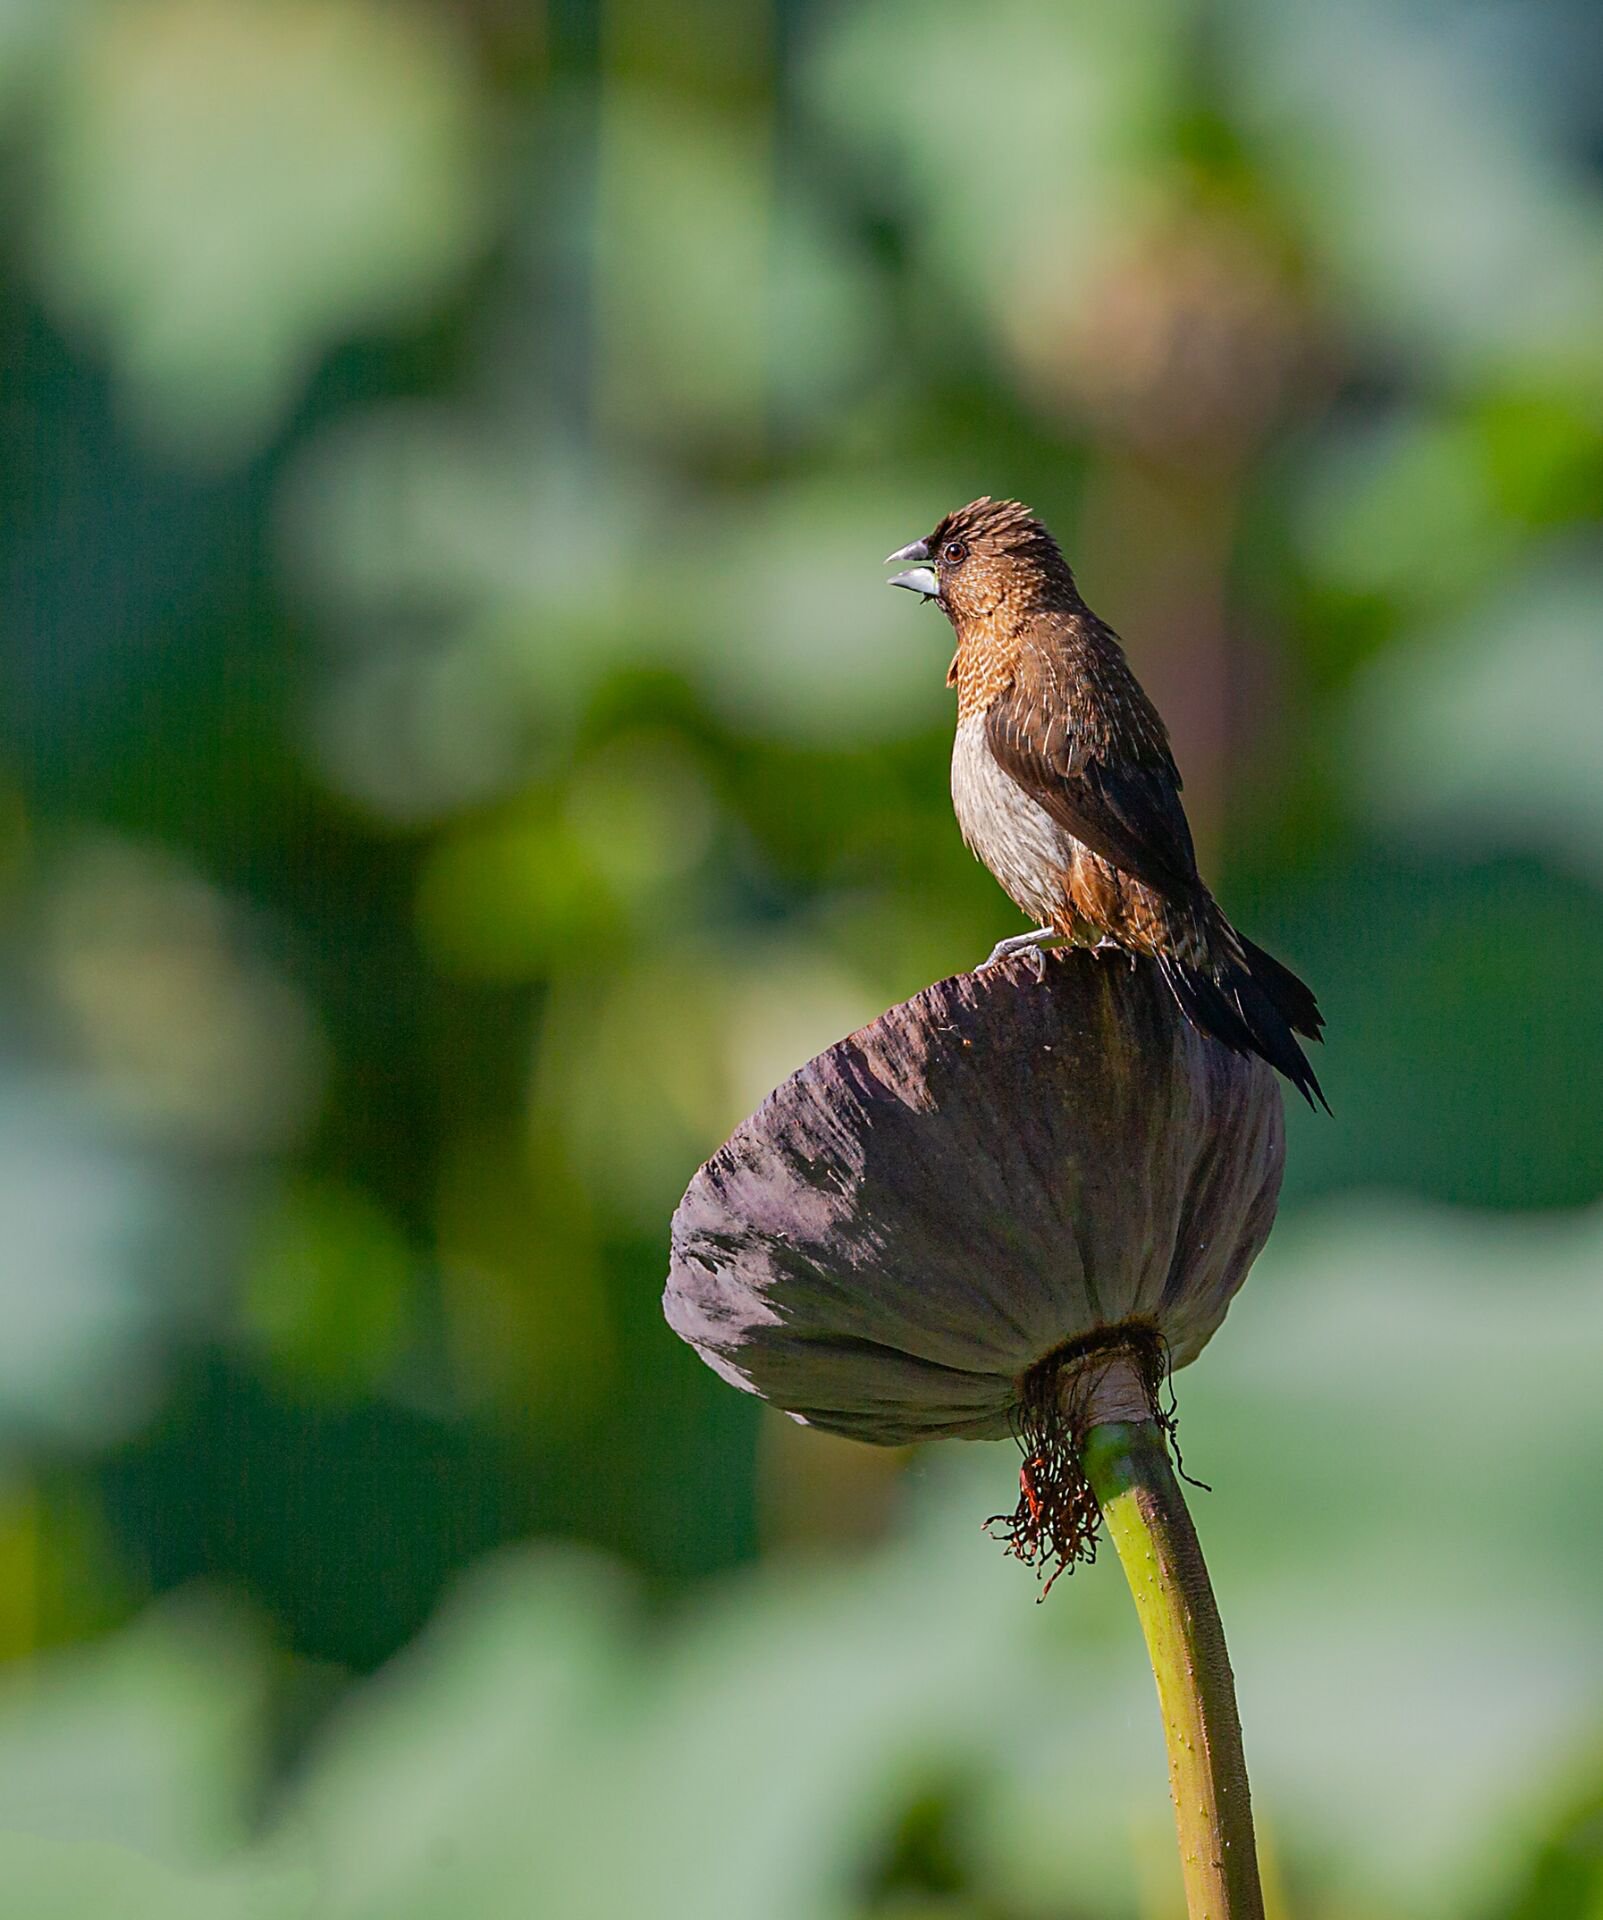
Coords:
1257,1008
1293,1001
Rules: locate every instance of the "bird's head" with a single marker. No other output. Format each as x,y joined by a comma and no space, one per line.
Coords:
988,556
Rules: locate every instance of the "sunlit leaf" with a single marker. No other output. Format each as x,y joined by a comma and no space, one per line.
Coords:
230,189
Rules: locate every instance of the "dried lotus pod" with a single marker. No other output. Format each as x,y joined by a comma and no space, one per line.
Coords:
1012,1204
995,1175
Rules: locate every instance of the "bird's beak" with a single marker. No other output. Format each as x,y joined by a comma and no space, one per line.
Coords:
916,579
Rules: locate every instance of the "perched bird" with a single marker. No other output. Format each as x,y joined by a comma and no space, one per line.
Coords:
1065,786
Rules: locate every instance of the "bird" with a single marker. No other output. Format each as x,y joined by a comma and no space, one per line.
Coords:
1065,785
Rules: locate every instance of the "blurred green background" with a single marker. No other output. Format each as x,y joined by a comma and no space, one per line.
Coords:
457,752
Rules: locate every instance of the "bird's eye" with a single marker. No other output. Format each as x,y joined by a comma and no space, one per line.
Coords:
954,553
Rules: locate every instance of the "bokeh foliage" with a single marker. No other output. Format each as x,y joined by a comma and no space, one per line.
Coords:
457,755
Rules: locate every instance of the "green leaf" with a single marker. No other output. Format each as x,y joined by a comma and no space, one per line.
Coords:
216,236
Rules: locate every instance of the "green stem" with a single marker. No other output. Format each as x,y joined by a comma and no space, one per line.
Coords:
1128,1466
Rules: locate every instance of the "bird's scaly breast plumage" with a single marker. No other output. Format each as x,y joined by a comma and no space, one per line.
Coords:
1019,841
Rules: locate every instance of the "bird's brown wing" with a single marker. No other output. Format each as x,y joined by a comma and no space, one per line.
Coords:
1079,736
1075,730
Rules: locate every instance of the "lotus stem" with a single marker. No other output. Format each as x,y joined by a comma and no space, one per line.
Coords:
1127,1464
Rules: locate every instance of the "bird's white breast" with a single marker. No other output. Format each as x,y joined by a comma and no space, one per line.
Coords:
1017,839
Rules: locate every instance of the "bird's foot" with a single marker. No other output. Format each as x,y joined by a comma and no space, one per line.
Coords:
1108,945
1033,943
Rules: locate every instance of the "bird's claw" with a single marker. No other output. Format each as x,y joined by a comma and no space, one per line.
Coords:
1031,943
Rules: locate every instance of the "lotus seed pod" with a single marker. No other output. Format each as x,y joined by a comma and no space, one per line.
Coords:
912,1233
